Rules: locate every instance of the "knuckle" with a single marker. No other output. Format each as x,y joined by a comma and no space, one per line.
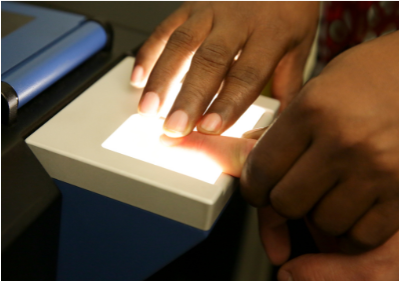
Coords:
284,206
324,223
230,101
245,77
182,38
213,57
312,107
310,102
364,240
193,92
370,149
161,32
379,154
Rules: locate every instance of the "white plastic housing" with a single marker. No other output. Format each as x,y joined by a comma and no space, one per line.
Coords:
100,143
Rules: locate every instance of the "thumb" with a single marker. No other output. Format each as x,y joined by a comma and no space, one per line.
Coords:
287,80
274,235
326,267
229,153
381,263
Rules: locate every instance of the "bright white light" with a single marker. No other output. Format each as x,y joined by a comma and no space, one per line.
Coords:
138,137
246,122
170,99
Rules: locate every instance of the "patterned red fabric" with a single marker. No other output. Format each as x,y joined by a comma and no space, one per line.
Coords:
346,24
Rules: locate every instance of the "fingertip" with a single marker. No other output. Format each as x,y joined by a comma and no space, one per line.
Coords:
149,104
313,267
284,275
210,124
277,244
175,125
173,134
274,235
137,77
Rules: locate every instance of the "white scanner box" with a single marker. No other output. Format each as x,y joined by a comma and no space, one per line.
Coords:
100,143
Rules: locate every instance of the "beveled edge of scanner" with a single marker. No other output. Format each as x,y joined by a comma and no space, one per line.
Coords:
69,148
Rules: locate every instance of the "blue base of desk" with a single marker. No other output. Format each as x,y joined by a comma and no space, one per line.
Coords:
104,239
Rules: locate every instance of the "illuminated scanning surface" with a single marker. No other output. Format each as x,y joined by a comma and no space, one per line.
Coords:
138,137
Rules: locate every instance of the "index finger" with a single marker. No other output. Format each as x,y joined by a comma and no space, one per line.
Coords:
275,153
229,153
208,68
152,48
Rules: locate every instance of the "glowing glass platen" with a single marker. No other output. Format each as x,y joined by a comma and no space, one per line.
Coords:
138,137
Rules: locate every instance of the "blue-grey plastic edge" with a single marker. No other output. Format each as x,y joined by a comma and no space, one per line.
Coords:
39,72
47,26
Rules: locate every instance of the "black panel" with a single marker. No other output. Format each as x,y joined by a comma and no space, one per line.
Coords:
9,103
33,255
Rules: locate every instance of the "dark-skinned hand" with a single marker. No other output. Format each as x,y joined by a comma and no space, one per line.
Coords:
271,38
379,264
333,154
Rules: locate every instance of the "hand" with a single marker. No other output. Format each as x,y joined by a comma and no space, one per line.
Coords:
230,154
378,264
271,37
334,153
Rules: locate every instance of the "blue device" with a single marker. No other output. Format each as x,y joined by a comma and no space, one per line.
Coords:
39,46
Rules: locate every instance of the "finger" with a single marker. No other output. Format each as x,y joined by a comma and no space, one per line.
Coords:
274,154
327,267
342,206
207,71
229,153
154,45
274,235
304,184
325,243
176,56
378,264
288,76
374,228
255,134
243,83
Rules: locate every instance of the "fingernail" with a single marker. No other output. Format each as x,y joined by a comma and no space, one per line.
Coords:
176,124
285,276
137,76
150,104
211,122
250,132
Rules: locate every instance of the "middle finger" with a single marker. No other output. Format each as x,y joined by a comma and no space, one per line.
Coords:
169,68
208,68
